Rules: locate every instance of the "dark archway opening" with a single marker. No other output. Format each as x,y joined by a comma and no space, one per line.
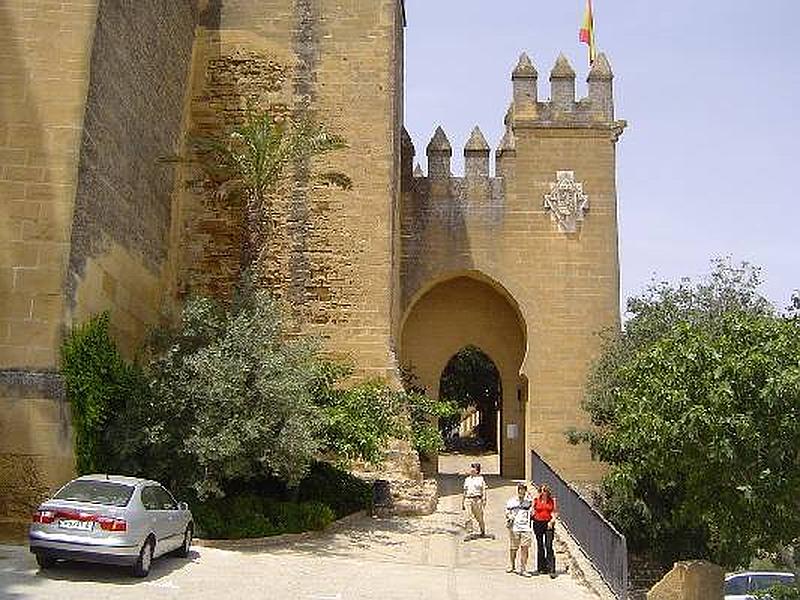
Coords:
472,381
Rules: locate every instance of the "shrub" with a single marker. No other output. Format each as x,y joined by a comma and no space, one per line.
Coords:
229,404
360,420
425,413
779,592
343,492
249,516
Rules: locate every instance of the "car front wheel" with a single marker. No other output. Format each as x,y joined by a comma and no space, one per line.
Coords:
45,562
142,566
183,551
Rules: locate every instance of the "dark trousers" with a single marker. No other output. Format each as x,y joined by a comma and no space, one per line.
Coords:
545,558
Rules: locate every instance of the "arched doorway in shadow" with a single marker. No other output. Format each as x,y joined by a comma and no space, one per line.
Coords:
471,309
472,381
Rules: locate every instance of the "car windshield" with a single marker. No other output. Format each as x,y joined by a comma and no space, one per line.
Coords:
762,582
96,492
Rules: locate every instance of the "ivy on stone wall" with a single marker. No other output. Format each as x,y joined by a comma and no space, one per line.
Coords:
97,381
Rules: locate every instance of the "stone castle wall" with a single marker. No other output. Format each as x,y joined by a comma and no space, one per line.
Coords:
122,219
96,94
45,53
330,256
44,78
95,219
92,100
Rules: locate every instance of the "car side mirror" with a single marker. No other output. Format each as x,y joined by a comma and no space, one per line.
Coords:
183,506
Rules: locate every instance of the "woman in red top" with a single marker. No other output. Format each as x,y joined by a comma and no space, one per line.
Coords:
543,518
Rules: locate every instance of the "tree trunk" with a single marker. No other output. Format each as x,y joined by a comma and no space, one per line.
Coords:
251,236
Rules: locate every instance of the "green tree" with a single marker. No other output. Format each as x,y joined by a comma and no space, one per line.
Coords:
471,379
245,163
695,407
360,420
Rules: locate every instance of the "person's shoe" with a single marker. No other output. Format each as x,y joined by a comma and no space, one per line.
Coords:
510,569
553,575
524,573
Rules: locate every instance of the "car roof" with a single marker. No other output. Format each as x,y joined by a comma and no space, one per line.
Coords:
750,573
117,479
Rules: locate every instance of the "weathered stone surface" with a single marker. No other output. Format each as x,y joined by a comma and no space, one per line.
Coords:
45,73
399,483
36,445
134,108
330,255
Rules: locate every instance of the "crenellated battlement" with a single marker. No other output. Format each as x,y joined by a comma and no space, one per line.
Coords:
477,154
445,197
562,109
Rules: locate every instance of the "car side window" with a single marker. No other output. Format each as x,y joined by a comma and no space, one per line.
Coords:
736,586
165,499
150,498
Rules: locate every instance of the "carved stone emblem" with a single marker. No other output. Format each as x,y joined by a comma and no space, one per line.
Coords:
566,201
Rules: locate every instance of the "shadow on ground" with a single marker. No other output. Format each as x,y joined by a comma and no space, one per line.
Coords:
77,571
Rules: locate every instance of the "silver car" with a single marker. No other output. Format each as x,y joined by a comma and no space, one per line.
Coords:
112,520
742,586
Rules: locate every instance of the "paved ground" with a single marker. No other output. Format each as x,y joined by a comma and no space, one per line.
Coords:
387,559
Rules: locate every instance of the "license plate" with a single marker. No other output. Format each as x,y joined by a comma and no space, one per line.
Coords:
75,524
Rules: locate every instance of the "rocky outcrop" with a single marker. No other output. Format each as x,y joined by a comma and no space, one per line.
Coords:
690,580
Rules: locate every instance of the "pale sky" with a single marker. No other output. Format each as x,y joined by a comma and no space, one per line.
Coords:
711,91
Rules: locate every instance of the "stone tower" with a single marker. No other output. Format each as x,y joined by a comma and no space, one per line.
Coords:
523,265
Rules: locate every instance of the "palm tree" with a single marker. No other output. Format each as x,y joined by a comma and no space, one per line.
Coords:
246,162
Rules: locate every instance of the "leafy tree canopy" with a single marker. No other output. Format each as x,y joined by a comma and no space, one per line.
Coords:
695,407
471,379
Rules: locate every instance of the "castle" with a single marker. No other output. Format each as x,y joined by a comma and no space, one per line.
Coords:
403,270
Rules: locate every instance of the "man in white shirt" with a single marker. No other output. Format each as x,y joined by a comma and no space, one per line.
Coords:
474,499
518,521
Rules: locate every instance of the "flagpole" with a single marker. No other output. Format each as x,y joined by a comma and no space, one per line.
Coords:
592,36
587,31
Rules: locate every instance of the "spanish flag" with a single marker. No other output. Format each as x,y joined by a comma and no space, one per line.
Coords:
587,31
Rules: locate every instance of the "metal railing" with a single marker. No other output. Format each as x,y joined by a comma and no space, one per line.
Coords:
603,545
